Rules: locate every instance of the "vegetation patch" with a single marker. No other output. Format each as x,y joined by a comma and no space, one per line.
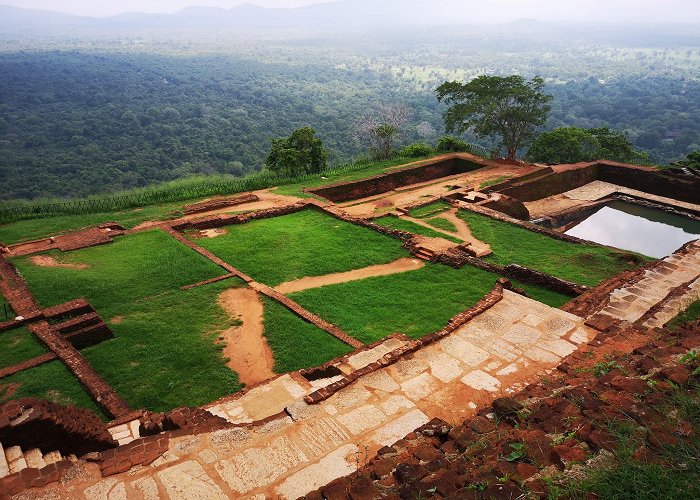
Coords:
583,264
492,182
692,313
50,381
414,303
18,345
412,227
429,210
295,343
443,224
164,354
307,243
541,294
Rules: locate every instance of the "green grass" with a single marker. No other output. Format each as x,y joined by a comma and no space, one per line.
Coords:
582,264
492,182
50,381
163,355
34,229
18,345
295,343
414,303
430,210
692,313
443,224
129,269
307,243
544,295
412,227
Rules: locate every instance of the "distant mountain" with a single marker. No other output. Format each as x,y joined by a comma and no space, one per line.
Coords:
374,14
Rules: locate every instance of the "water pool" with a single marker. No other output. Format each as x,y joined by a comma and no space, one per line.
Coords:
648,231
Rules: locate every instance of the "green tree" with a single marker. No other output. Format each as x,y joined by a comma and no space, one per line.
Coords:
300,153
508,107
691,161
574,144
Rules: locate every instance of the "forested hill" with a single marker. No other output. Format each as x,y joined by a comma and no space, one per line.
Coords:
93,120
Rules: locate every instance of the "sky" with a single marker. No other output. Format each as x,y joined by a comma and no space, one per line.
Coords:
103,8
582,10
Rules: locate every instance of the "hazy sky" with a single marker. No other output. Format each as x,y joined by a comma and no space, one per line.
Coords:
113,7
582,10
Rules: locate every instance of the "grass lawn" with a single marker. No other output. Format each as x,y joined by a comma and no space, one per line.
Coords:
544,295
163,354
307,243
295,343
430,210
414,303
33,229
50,381
412,227
18,345
582,264
443,224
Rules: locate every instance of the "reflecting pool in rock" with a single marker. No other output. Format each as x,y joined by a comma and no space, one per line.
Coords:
648,231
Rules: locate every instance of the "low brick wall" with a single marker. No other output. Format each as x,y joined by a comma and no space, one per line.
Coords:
425,171
526,275
550,184
26,365
218,204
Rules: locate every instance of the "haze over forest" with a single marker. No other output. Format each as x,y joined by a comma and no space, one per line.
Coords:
99,104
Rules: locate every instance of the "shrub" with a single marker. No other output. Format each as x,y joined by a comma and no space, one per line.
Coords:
451,144
416,150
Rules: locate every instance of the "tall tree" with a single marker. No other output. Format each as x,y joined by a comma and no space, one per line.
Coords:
507,107
300,153
573,144
380,127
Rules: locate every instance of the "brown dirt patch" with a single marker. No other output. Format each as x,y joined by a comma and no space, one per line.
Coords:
8,390
116,320
210,233
48,261
246,347
398,266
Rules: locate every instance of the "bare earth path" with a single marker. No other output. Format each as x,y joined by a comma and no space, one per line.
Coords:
246,347
398,266
464,232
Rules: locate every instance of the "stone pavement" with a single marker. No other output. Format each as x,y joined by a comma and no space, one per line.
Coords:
672,285
306,446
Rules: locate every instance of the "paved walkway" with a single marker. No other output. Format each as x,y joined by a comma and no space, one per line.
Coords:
679,272
308,446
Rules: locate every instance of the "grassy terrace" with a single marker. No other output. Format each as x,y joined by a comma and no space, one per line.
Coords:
50,381
18,345
307,243
163,354
295,343
430,210
582,264
412,227
414,303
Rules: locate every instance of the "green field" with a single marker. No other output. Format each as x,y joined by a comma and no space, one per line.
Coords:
414,303
18,345
163,354
583,264
295,343
442,223
307,243
430,210
50,381
412,227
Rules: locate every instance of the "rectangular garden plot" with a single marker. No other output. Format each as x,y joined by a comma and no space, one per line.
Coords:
414,303
307,243
582,264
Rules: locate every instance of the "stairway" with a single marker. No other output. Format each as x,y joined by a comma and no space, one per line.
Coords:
13,459
84,330
424,254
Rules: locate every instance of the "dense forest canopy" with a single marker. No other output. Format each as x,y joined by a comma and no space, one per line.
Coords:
86,116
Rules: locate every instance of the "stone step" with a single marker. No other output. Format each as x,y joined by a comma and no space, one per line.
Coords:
34,459
15,459
4,466
52,457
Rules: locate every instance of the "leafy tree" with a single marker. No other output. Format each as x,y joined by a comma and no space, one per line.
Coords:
380,127
574,144
691,161
417,150
300,153
509,107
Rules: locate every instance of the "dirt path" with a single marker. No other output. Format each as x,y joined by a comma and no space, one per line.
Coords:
398,266
465,233
48,261
246,347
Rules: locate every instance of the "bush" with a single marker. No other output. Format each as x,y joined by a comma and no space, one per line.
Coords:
416,150
451,144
